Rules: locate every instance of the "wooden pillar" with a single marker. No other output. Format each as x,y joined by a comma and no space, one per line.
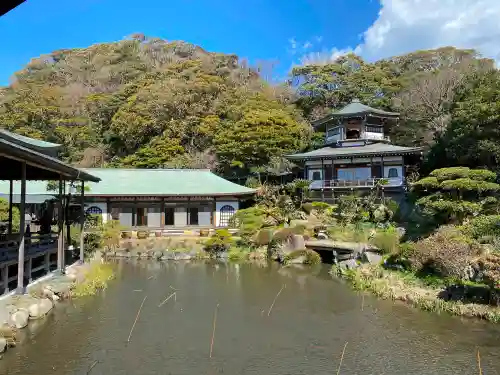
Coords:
82,222
108,210
162,212
214,213
22,228
322,181
188,213
11,195
60,228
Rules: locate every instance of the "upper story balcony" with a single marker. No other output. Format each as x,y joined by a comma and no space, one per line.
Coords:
362,131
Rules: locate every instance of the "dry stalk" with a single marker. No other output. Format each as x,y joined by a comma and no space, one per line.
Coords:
136,318
275,298
478,357
362,301
92,366
213,330
342,358
166,299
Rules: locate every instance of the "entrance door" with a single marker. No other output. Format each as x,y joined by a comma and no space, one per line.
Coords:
169,215
193,216
142,217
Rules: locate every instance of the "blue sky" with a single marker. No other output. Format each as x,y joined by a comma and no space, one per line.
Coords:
255,29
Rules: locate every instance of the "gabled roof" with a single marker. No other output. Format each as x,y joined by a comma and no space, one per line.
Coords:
148,182
371,149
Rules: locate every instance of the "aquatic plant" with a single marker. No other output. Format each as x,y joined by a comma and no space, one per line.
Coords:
394,285
95,278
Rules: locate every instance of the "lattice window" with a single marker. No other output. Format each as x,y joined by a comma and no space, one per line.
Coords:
226,212
94,210
393,173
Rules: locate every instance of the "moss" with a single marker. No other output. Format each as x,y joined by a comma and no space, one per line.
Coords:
237,254
95,278
406,287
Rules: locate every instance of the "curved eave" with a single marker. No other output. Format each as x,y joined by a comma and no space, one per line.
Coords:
353,155
238,194
28,142
8,6
44,162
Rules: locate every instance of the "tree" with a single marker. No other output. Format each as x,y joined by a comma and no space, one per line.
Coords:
451,195
473,137
4,215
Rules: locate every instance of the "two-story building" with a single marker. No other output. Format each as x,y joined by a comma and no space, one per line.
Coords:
357,155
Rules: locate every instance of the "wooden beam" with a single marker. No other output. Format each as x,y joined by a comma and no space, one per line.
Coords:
22,228
60,223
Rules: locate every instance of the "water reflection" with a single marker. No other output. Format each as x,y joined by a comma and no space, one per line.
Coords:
305,332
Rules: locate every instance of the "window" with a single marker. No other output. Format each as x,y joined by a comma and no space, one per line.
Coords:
350,174
316,175
94,210
393,173
226,212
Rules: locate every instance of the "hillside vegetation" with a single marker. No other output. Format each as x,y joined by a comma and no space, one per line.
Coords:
148,103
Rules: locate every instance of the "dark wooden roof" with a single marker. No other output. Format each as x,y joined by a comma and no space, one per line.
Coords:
7,6
38,166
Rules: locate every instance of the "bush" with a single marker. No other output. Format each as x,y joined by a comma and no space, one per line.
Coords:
204,232
386,240
482,226
320,206
91,240
142,234
220,242
311,257
4,215
490,265
264,237
307,207
446,253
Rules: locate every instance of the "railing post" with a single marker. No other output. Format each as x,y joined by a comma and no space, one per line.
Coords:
46,261
5,279
60,237
30,268
22,228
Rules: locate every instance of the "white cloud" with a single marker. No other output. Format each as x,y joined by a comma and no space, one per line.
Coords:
323,57
404,26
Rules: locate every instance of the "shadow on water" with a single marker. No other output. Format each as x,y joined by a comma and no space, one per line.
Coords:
305,331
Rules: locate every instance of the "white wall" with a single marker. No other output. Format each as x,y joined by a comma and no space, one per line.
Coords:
154,217
373,135
220,204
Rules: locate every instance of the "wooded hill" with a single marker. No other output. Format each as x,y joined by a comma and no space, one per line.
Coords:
149,103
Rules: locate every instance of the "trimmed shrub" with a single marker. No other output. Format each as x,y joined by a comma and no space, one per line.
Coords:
310,257
204,232
307,207
283,234
142,234
220,242
482,226
263,237
320,206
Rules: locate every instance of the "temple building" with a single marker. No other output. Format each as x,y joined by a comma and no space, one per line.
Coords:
357,156
152,199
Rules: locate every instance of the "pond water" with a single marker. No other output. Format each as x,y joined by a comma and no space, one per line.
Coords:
304,332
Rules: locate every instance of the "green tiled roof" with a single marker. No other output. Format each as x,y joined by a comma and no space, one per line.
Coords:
147,182
358,108
26,141
372,149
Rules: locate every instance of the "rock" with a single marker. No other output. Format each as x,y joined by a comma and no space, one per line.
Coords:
40,308
55,297
19,318
401,231
297,242
371,257
3,344
168,255
183,256
223,255
348,264
299,260
72,277
322,236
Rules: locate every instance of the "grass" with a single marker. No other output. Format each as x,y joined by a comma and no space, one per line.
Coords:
96,278
407,287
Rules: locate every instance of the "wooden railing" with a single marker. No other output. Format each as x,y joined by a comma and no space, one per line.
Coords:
40,257
361,183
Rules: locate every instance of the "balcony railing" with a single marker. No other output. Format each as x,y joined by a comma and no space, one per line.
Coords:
357,183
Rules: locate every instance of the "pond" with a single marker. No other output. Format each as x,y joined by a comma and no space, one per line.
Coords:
304,332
